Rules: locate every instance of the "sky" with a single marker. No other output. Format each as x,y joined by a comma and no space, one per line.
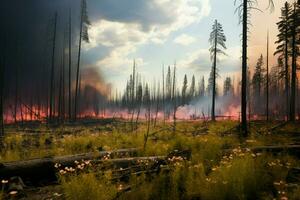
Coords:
158,33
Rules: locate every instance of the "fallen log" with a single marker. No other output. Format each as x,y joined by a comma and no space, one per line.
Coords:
35,170
127,162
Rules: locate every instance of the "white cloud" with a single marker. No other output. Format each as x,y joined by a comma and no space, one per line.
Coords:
200,60
123,38
184,39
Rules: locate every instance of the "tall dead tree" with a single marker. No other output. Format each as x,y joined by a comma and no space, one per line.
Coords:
16,88
244,12
147,104
157,103
83,36
70,67
139,100
163,94
52,77
267,80
2,66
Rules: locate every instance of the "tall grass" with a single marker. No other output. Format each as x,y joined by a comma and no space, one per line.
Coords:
88,187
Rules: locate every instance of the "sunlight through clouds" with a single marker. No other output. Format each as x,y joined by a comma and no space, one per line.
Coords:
184,39
124,38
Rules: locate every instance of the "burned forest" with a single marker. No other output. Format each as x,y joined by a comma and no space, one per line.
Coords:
158,99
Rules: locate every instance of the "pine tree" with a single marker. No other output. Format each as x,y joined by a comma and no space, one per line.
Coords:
202,87
169,84
258,77
228,87
257,82
192,89
295,31
283,46
217,40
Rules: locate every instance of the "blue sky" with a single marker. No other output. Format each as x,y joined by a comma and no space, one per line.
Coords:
157,32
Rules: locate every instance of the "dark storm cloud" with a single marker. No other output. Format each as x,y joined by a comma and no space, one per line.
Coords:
145,13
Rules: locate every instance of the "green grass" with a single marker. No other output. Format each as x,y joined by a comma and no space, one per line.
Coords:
210,174
87,187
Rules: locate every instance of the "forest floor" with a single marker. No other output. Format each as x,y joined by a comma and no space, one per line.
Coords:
199,160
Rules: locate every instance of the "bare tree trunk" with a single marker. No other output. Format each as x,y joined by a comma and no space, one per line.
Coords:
78,68
298,100
31,106
148,127
2,66
51,102
63,106
244,70
267,86
156,112
131,121
249,97
16,93
137,116
163,95
79,96
60,95
21,111
70,66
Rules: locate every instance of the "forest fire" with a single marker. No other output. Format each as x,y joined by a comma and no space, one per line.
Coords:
149,99
25,113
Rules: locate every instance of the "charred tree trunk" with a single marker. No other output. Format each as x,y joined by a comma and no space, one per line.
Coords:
163,95
60,94
79,95
78,68
16,93
137,116
52,77
267,83
148,125
244,70
2,66
70,66
156,112
63,102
